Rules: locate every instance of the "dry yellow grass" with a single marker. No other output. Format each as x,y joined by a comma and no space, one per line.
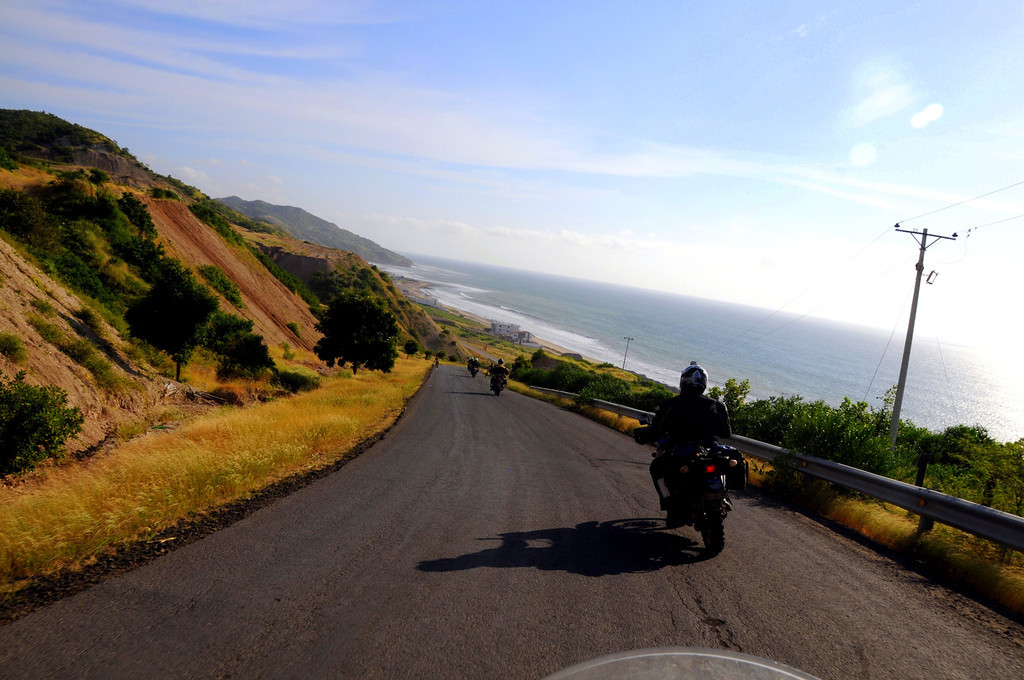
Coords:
68,514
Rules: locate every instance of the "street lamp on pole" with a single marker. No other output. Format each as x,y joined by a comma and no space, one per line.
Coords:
627,339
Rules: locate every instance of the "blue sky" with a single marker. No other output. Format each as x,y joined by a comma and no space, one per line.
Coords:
753,152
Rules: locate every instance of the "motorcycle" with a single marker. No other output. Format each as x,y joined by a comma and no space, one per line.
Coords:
498,383
693,484
473,370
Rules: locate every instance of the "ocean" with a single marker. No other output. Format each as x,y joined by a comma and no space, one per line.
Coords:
780,354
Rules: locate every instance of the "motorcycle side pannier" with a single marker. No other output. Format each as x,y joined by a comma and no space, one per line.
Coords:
736,477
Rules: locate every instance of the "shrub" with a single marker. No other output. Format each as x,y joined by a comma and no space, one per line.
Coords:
80,351
297,381
294,328
24,216
160,192
6,162
91,319
43,307
12,347
220,282
137,213
242,353
35,423
207,212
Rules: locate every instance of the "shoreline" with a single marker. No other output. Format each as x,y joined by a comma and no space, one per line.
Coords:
415,290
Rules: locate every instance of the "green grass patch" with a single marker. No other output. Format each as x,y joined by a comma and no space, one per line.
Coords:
82,352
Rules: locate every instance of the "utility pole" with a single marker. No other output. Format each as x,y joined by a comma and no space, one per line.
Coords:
627,339
898,402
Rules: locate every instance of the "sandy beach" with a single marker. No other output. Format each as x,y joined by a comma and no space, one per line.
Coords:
417,291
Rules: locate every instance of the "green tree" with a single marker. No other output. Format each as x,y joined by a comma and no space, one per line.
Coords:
35,422
411,347
734,394
173,314
358,329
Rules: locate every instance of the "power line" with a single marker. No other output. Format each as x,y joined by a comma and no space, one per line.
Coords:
797,297
1015,217
962,202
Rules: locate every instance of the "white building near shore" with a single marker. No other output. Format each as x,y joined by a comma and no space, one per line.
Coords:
511,332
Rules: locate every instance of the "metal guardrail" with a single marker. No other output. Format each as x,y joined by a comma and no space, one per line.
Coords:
973,518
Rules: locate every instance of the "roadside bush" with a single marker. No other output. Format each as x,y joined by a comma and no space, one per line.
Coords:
846,435
297,381
35,423
767,420
734,394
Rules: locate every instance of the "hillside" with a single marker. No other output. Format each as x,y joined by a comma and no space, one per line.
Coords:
307,227
85,228
318,266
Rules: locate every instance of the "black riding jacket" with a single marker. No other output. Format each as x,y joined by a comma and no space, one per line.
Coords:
690,419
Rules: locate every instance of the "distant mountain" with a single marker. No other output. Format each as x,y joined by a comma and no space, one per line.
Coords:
306,227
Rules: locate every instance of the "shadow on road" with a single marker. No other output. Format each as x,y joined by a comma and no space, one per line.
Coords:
623,546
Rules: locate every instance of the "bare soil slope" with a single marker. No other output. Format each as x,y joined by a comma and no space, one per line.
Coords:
24,292
267,303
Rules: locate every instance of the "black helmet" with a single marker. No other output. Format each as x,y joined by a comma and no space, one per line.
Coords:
693,379
501,362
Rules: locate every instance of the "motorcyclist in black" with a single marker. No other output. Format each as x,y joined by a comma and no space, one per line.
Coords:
499,370
684,422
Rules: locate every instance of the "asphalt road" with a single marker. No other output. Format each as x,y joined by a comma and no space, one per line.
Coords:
500,537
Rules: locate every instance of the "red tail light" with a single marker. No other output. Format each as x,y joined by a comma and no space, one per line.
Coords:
709,469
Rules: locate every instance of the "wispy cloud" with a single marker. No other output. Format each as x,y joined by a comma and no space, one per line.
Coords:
880,92
485,138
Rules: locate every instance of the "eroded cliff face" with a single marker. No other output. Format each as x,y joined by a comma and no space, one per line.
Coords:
302,266
100,156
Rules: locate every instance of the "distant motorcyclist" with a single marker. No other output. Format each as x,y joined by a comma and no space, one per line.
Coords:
684,424
473,365
499,372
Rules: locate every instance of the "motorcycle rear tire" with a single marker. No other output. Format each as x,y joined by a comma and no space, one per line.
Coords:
713,533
